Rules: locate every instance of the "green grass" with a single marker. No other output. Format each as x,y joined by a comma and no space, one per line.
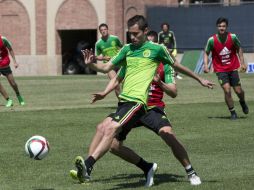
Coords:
58,108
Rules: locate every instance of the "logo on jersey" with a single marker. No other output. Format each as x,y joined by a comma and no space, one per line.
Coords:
113,43
147,53
225,51
117,117
225,55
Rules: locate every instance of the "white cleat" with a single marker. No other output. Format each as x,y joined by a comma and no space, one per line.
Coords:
179,77
194,180
150,175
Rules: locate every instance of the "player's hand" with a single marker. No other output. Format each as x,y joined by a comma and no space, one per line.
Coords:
98,96
107,58
207,83
206,70
243,68
89,56
156,78
16,65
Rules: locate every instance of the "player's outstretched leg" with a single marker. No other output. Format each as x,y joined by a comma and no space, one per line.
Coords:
180,153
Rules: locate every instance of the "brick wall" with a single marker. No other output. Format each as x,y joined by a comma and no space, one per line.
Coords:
15,26
41,27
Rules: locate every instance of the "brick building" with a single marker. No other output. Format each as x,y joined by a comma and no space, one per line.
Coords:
40,29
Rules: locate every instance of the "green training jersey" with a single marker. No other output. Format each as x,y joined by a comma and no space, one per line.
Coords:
139,69
6,42
210,42
108,47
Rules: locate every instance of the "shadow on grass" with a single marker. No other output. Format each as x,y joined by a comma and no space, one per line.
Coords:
159,179
225,117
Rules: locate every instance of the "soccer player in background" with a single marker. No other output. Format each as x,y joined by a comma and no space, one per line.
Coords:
139,61
5,49
106,48
155,119
226,52
167,37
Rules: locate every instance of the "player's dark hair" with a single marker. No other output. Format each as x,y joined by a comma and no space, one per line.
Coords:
165,23
154,34
138,19
222,19
103,25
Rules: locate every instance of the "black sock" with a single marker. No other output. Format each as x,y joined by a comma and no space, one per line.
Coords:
17,94
7,99
89,162
190,171
232,110
144,165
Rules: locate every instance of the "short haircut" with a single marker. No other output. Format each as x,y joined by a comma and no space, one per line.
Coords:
222,19
154,34
103,25
165,23
138,19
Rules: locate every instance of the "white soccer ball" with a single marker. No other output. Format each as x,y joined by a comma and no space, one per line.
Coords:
37,147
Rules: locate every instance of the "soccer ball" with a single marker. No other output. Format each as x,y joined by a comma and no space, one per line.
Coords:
37,147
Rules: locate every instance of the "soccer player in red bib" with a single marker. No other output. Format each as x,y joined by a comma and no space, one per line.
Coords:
5,49
227,57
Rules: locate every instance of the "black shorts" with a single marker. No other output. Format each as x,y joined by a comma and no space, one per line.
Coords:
5,71
231,77
154,120
127,114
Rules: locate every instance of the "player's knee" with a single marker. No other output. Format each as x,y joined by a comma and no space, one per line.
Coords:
115,147
110,130
165,131
100,128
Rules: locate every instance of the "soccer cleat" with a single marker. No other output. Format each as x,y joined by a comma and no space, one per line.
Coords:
150,175
179,77
74,174
244,107
82,174
194,180
21,100
233,116
9,103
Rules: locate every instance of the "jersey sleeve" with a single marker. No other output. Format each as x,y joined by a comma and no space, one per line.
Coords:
6,42
120,57
164,56
236,41
160,40
169,74
97,49
173,39
209,45
119,44
121,73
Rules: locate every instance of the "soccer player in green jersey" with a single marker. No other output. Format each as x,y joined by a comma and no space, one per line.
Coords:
155,119
141,60
106,48
5,50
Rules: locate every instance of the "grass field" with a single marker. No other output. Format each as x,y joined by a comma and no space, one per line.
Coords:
58,108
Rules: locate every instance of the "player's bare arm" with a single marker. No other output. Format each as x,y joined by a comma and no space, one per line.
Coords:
90,59
206,69
188,72
113,83
13,57
241,58
169,89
